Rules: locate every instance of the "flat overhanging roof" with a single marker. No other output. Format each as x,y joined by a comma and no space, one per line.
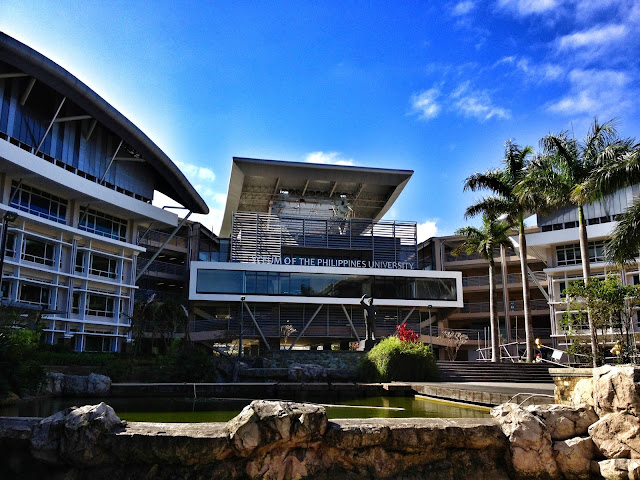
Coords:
255,185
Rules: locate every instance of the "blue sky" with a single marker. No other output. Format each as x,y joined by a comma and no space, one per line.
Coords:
436,87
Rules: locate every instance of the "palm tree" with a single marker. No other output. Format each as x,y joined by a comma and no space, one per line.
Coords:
561,176
484,240
504,201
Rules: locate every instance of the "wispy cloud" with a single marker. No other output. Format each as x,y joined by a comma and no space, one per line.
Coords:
592,92
596,36
463,100
535,72
332,158
196,173
424,104
528,7
427,229
476,103
213,220
463,8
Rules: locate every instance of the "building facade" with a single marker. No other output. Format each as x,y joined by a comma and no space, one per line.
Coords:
305,243
76,184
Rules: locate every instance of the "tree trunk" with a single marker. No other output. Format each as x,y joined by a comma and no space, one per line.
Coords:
493,315
528,321
586,274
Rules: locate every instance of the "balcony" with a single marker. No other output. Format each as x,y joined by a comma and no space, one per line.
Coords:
514,306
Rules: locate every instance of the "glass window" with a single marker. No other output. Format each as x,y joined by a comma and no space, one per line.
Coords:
35,201
37,251
99,305
35,294
75,306
220,281
103,224
571,255
10,249
325,285
103,266
94,343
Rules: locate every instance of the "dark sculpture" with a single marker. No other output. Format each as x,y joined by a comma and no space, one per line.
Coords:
369,317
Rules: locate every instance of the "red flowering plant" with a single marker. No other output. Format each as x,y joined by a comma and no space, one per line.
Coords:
406,334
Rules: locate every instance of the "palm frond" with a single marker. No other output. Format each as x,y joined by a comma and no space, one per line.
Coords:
490,180
624,244
493,205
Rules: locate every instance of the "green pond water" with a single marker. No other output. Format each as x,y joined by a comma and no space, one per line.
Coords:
223,409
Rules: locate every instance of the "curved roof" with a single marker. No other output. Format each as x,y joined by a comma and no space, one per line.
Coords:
256,186
170,180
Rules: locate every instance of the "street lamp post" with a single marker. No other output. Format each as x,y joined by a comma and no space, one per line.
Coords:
8,217
241,326
430,336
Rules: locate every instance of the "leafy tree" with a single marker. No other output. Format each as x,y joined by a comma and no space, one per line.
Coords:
20,337
492,235
562,176
502,182
611,305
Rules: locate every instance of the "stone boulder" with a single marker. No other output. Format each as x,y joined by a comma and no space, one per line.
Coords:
52,384
266,425
617,435
72,436
307,372
616,388
583,392
98,384
530,442
614,469
575,456
564,421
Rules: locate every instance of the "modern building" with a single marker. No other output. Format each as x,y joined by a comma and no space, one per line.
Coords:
300,244
169,258
557,244
472,319
76,184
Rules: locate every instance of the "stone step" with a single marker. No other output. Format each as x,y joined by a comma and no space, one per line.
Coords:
494,372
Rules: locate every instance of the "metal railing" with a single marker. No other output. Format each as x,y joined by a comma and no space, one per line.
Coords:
159,237
514,305
167,268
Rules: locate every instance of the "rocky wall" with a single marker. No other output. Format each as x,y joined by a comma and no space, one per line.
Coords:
267,440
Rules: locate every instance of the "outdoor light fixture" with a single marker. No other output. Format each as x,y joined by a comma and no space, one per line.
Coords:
538,343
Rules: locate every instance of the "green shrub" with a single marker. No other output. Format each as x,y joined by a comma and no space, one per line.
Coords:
19,372
392,359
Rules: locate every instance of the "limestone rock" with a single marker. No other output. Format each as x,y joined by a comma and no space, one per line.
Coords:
529,441
583,392
615,469
634,469
73,435
565,421
267,424
306,372
617,435
574,456
615,388
52,384
98,384
75,385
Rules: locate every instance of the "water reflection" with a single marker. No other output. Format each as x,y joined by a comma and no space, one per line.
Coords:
223,409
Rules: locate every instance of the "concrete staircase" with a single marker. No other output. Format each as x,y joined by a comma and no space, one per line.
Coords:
494,372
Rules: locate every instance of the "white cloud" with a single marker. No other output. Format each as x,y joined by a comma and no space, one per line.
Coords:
528,7
536,72
602,93
194,172
332,158
476,103
462,8
220,198
213,220
596,36
425,105
427,229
